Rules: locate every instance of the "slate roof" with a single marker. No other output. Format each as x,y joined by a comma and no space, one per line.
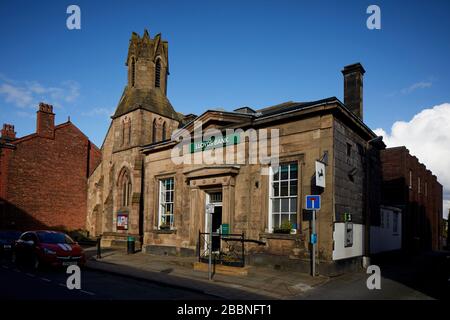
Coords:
153,100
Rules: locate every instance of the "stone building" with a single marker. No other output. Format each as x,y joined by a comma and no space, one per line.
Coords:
410,186
139,189
43,176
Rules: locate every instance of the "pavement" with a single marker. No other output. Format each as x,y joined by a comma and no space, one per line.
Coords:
260,283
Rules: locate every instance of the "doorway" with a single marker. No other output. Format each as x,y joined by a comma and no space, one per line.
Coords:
214,197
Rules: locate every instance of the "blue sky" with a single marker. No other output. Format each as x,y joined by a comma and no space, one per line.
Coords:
223,54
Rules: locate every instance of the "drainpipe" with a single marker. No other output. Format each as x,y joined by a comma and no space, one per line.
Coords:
366,257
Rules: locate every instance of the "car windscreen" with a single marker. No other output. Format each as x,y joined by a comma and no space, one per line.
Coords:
50,237
10,235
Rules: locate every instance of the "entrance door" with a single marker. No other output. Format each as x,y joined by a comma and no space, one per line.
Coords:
216,199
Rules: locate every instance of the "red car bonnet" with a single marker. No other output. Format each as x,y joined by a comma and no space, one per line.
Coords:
63,248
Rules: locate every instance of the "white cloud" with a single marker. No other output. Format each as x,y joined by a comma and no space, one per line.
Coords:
16,95
98,112
416,86
427,136
27,94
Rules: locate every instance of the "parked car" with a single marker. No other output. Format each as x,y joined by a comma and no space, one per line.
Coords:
7,240
51,248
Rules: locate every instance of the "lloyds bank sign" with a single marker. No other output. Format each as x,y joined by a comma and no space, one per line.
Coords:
215,142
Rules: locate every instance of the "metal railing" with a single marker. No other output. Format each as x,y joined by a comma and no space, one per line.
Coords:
230,251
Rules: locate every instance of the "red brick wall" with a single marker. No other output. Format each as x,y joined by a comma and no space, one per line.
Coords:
47,178
422,211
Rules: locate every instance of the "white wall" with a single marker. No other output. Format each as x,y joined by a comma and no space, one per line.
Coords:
356,250
384,237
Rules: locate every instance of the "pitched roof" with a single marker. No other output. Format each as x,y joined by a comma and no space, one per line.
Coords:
153,100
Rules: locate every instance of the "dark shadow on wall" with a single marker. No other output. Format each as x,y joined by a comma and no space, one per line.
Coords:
15,218
417,228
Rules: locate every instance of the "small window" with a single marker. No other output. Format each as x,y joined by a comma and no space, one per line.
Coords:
158,73
349,150
154,131
166,202
163,132
419,190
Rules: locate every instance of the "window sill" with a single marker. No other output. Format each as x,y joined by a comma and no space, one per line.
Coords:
281,236
168,231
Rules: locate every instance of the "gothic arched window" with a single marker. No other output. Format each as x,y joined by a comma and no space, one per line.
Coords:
163,131
158,73
125,192
154,131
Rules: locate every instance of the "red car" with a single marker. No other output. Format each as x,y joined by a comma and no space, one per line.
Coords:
47,248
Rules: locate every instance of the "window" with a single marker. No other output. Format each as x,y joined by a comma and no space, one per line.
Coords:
418,186
133,71
166,191
154,131
349,150
158,73
283,196
126,192
395,223
163,131
123,134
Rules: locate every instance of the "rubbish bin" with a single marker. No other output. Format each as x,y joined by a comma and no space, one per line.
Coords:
130,245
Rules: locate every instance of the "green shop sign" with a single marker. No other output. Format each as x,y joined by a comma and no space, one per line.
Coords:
215,142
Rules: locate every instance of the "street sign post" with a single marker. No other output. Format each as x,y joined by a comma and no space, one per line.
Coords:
210,211
313,203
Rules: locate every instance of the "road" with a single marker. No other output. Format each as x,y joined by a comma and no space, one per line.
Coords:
22,283
421,277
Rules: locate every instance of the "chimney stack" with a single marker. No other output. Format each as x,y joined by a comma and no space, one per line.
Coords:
45,121
8,132
353,88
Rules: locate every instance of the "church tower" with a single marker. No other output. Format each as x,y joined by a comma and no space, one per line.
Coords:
143,116
147,62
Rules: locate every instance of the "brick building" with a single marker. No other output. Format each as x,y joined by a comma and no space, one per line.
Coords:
139,190
43,176
410,186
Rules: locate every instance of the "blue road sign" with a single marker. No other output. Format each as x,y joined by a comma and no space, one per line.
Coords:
312,202
313,238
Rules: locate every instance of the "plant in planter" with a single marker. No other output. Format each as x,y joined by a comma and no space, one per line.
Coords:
164,226
285,228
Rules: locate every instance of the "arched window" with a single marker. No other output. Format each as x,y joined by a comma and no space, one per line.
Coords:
163,131
158,73
133,71
154,131
129,131
125,192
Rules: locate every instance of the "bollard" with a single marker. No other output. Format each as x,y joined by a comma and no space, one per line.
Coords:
99,248
130,245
